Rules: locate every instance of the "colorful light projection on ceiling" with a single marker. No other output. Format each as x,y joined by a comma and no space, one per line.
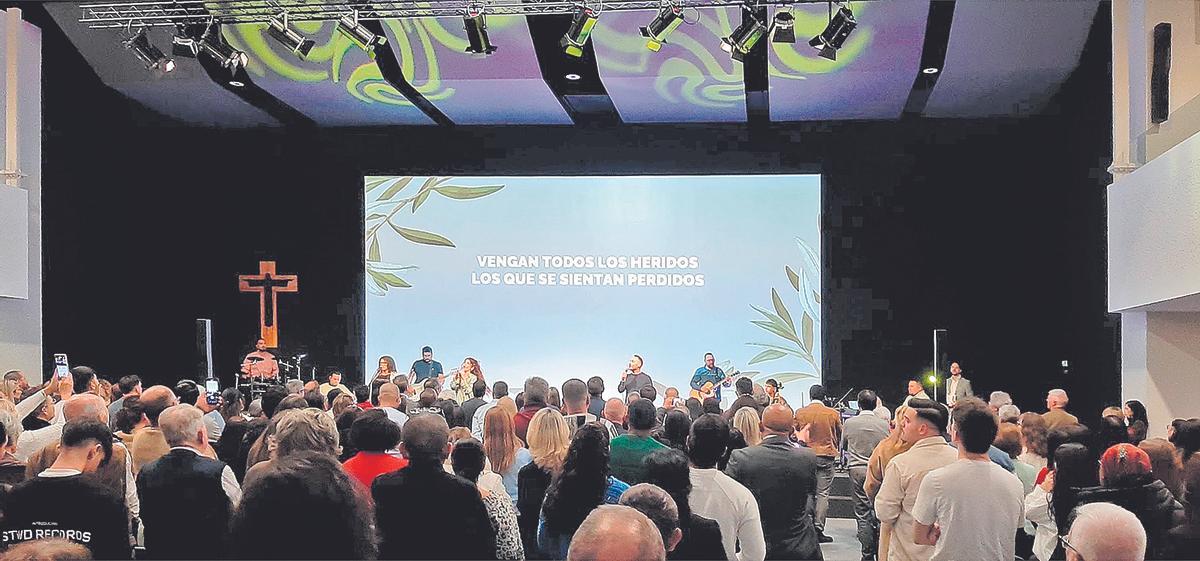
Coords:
689,80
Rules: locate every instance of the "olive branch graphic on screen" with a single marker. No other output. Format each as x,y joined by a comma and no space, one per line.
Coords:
796,343
386,210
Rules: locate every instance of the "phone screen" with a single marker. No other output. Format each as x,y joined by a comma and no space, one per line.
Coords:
61,367
212,390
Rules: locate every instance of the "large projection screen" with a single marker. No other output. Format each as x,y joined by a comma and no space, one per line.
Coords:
568,277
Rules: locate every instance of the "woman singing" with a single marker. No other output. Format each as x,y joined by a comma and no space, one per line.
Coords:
386,370
463,378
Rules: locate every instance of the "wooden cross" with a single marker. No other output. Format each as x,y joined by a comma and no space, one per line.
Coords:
266,283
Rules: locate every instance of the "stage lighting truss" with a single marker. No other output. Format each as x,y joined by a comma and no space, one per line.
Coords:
145,51
366,39
475,24
279,28
137,14
739,43
669,17
841,23
583,20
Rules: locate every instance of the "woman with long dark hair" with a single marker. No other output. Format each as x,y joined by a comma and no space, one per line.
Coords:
386,370
1136,420
1073,467
701,536
584,484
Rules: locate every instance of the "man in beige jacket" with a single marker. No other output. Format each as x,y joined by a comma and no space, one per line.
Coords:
925,425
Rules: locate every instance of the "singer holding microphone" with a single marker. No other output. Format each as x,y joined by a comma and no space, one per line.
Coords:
633,379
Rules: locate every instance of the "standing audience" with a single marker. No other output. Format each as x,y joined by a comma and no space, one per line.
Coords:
925,423
302,506
949,513
549,439
629,449
616,533
1125,481
583,485
468,459
720,497
1056,410
374,435
406,529
783,478
504,450
860,436
701,537
825,434
659,507
1105,532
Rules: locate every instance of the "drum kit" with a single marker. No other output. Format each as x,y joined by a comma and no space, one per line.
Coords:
254,385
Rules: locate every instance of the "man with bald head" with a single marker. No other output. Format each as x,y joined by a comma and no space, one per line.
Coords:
1105,531
149,444
407,502
389,401
782,476
614,412
616,533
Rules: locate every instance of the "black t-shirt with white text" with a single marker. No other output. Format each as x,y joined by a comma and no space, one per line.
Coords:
72,508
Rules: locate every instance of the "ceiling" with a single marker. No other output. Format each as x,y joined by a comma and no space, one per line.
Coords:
998,58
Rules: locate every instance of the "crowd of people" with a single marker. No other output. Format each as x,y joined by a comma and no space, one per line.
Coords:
92,468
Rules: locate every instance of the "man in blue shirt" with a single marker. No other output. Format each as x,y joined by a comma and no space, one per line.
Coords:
426,368
710,372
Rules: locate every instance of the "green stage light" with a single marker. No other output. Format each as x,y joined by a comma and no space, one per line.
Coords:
739,43
668,18
932,379
577,35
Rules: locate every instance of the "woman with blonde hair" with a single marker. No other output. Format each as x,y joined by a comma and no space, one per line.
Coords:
503,449
340,404
464,378
549,437
747,420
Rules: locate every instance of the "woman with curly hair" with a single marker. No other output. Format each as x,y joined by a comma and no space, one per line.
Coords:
1033,439
464,378
583,485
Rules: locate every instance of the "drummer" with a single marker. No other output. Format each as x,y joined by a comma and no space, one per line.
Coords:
260,363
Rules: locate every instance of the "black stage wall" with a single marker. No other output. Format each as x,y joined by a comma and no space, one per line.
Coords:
993,229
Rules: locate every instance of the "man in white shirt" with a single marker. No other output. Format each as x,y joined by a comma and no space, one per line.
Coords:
926,421
721,498
915,391
389,401
970,509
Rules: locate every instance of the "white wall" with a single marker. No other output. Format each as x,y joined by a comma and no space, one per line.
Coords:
21,318
1160,355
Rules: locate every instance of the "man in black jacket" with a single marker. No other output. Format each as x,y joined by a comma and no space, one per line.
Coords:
406,501
783,477
61,503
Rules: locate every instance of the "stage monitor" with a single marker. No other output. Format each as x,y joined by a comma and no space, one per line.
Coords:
569,277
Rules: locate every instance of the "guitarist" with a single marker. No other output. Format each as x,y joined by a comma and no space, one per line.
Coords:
709,377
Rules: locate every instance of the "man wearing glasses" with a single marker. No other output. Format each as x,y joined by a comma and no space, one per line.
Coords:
1105,531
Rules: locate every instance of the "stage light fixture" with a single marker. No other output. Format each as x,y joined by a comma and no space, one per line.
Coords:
288,37
835,34
669,17
366,39
477,36
784,28
228,57
151,56
739,43
582,22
